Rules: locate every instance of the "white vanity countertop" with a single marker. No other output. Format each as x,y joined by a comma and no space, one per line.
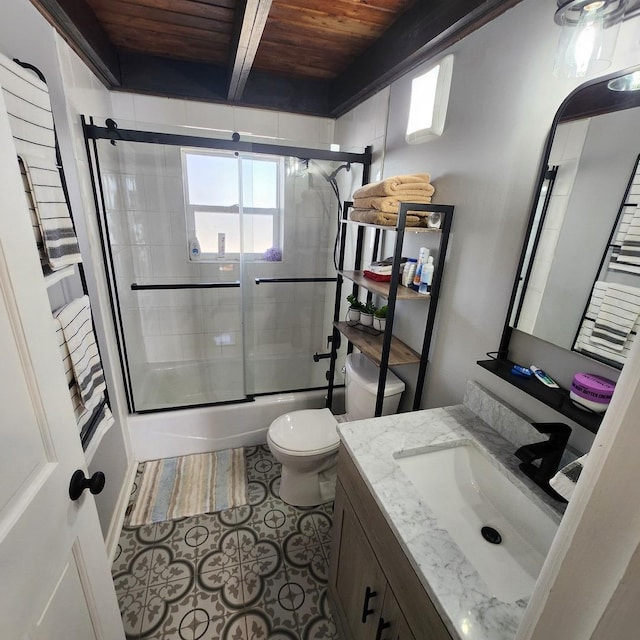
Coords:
458,592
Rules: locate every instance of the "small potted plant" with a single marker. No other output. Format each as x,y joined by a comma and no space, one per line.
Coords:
366,314
380,318
355,308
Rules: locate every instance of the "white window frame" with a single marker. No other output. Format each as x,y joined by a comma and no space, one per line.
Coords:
275,212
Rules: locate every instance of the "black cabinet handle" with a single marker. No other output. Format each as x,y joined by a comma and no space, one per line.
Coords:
382,625
368,594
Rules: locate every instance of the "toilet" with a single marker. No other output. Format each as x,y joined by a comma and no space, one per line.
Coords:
306,442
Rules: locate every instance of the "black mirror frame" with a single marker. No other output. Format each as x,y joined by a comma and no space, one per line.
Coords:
588,110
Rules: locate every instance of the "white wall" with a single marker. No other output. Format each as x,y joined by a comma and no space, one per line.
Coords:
502,103
26,35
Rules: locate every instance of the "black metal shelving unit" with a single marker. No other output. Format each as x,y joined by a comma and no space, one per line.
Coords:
385,349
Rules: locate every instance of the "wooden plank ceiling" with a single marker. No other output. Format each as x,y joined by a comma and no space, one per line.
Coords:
311,56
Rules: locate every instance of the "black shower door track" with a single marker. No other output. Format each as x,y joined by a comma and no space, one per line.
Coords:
112,133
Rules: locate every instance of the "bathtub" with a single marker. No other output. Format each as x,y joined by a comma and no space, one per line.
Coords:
183,432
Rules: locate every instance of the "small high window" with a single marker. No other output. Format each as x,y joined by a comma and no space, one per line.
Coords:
429,100
219,187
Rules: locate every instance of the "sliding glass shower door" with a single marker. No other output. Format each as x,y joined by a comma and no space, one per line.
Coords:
288,292
222,268
181,315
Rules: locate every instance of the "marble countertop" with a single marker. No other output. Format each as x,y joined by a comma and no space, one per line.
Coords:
458,592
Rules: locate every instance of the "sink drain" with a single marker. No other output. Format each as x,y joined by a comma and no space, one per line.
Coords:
491,535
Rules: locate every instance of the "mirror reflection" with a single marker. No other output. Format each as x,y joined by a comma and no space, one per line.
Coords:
579,287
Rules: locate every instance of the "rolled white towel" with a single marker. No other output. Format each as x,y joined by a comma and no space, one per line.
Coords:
564,482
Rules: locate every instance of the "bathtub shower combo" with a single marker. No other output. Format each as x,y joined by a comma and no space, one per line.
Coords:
220,259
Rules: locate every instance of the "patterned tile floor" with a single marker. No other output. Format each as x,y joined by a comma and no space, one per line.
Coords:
253,572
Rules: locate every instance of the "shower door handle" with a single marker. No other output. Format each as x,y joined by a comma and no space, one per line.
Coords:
186,285
283,280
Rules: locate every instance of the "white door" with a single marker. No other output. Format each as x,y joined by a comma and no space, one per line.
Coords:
55,581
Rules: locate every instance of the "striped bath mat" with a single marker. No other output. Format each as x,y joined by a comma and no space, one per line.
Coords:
189,485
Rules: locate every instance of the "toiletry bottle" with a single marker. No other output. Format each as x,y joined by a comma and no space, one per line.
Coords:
422,259
408,272
194,249
426,276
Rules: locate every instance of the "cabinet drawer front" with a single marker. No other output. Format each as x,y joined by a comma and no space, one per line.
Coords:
421,615
356,581
392,616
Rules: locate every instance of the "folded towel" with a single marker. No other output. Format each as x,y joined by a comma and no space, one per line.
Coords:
583,342
390,204
630,250
35,222
564,482
374,216
619,262
83,416
52,212
29,109
395,184
617,316
101,421
77,329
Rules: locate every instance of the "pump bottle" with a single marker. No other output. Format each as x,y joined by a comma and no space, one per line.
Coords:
426,276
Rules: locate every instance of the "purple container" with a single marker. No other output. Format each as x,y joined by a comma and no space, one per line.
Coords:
592,391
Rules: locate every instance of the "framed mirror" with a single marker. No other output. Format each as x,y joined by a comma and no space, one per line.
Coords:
578,282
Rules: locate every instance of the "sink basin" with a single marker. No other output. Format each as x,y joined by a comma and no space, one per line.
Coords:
466,493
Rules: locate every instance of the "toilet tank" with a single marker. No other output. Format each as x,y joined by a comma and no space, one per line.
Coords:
361,383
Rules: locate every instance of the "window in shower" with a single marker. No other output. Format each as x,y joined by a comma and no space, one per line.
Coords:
233,203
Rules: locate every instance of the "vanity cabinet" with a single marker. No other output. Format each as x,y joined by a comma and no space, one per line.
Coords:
374,591
383,348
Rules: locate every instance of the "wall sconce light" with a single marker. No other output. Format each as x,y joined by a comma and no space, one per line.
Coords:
630,82
588,37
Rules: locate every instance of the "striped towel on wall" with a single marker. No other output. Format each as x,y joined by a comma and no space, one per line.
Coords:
626,248
583,342
93,422
630,249
77,329
56,228
31,121
618,314
35,223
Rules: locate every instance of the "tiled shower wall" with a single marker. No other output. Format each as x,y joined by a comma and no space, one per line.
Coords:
144,203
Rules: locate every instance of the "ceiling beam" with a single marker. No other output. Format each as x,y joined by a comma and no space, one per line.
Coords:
251,17
421,33
155,75
78,25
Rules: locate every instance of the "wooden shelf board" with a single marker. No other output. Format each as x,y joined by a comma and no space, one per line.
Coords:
382,288
390,227
371,346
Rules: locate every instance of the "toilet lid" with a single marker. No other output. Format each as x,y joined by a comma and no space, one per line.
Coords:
309,430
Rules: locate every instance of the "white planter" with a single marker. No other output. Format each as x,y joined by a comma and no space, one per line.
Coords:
379,324
366,319
353,315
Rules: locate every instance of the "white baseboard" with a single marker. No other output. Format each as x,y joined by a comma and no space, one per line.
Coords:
119,513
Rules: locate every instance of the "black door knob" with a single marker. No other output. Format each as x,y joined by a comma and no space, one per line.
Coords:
79,482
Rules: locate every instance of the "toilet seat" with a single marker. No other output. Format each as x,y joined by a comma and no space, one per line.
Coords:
305,432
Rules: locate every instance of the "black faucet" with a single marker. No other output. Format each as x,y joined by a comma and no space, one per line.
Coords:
548,452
